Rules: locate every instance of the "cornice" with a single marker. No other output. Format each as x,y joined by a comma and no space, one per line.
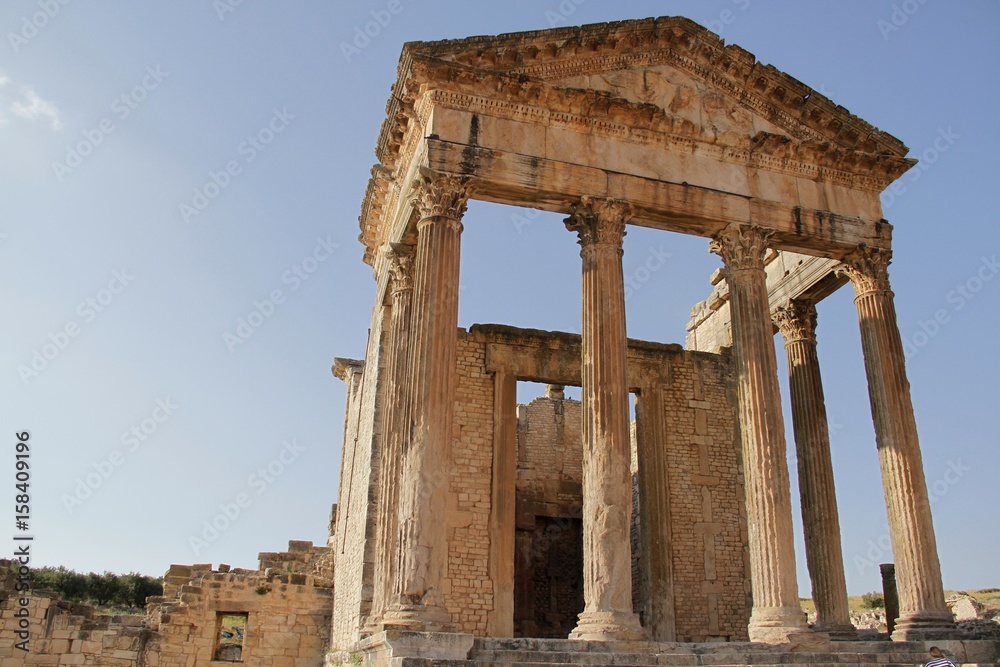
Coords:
515,76
677,41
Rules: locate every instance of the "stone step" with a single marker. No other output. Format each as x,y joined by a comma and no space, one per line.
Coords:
690,660
610,660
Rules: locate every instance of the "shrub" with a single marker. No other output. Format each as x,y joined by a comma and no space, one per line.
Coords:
873,601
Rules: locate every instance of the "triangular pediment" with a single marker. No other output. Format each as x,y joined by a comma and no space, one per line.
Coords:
672,63
655,86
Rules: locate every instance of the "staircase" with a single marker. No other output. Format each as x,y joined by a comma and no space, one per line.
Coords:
552,652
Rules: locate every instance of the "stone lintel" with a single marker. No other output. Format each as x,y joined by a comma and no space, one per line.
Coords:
554,357
519,180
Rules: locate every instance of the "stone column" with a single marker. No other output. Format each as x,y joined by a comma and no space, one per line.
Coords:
504,492
656,550
890,596
922,609
399,258
418,602
797,323
776,611
607,480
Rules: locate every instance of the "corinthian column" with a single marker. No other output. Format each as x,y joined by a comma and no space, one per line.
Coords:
776,611
607,480
418,602
923,613
400,267
797,323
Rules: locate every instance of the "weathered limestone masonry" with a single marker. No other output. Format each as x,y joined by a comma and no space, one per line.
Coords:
686,439
287,604
656,123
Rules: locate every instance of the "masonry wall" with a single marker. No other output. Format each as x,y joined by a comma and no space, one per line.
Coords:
288,602
549,459
700,448
708,515
469,591
358,485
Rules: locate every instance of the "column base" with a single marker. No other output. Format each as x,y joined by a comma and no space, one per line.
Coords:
609,626
417,617
391,647
773,625
838,632
925,626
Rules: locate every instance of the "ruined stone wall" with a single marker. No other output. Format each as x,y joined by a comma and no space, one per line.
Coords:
301,558
708,516
469,592
549,458
358,484
288,603
65,633
287,624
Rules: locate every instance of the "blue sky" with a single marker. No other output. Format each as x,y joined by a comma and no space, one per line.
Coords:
170,169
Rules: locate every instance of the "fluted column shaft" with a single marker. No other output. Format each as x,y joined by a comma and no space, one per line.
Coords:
922,609
400,267
607,482
776,611
797,323
418,602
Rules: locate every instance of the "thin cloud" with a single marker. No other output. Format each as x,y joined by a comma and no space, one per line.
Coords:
36,108
25,103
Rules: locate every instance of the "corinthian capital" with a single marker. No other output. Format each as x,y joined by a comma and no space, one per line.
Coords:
741,246
600,222
797,321
440,195
400,258
868,269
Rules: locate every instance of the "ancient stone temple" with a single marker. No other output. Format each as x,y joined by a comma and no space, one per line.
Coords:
478,531
445,497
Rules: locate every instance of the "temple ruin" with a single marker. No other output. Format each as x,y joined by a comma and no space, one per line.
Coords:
655,123
471,528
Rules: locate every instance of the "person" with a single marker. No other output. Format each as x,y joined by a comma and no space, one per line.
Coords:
938,659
